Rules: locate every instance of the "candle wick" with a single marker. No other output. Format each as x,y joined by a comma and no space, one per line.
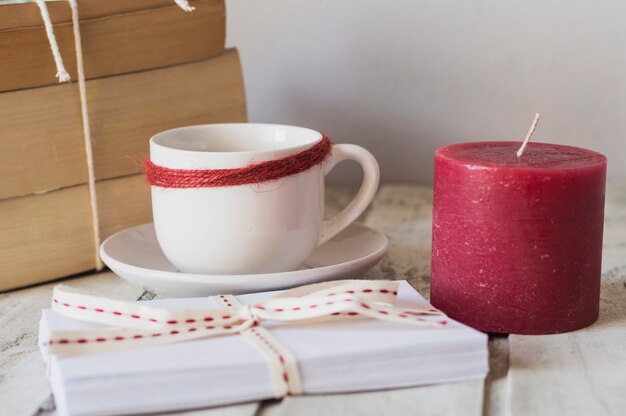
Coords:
533,126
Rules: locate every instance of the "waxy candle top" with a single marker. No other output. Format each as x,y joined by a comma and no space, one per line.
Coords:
537,156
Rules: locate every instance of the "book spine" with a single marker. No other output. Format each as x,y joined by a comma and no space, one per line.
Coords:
41,143
50,236
114,44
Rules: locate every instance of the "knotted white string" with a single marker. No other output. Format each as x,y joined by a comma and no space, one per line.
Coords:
61,74
84,111
184,4
64,76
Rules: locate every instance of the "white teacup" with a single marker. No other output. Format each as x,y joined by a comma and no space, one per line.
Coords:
245,229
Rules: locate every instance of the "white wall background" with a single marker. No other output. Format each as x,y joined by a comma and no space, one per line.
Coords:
403,77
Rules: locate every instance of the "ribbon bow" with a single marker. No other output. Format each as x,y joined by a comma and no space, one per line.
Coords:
136,324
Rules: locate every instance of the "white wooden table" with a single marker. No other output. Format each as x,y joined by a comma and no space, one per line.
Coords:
579,373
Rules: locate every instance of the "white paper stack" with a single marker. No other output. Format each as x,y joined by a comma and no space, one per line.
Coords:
343,356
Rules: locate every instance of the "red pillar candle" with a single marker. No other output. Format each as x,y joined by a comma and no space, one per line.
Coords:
517,241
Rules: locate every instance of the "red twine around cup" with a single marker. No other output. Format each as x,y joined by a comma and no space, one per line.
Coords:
255,173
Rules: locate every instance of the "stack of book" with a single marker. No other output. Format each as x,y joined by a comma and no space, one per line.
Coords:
150,67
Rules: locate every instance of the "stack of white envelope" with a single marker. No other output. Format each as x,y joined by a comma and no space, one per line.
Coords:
333,357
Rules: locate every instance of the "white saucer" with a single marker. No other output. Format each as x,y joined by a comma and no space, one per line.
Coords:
134,255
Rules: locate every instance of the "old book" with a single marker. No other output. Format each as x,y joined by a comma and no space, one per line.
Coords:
41,137
17,13
118,37
50,235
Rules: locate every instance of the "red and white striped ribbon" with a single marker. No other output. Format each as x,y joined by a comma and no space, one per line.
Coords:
281,362
134,324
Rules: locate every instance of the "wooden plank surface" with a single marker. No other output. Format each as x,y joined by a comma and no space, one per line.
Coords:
246,409
24,388
495,393
404,214
581,372
462,399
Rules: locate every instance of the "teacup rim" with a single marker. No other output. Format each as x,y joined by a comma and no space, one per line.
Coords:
295,147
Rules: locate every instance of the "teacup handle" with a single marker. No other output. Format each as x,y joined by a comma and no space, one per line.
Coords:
371,176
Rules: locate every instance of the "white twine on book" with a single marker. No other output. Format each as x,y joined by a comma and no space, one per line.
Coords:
64,76
281,362
184,4
134,324
62,73
84,111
